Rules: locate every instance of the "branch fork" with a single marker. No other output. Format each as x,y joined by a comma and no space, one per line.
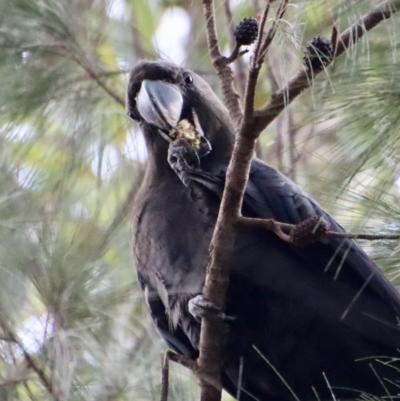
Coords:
236,53
251,123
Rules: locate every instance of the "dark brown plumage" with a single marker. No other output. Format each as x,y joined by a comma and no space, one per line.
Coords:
320,315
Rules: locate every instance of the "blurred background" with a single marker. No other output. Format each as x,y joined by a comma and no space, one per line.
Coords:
73,325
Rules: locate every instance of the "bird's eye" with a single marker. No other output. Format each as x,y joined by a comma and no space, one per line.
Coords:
187,78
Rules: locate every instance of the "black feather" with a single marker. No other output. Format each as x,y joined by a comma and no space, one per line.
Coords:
304,315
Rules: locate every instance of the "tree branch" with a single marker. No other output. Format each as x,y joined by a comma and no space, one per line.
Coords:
241,75
283,230
164,376
272,31
75,54
222,243
96,78
221,65
302,80
182,360
255,67
29,360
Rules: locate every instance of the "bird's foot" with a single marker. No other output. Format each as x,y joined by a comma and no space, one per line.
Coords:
201,308
182,156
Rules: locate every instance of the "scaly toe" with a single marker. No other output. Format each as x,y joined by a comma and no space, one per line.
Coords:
201,308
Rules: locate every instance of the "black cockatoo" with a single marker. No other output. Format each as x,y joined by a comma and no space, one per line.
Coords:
309,321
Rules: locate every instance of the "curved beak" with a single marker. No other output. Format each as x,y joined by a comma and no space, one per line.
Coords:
160,104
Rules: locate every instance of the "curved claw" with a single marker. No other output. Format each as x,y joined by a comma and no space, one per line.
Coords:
200,308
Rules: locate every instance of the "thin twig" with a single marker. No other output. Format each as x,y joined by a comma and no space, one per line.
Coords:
18,379
236,54
240,378
137,36
282,230
277,373
95,77
182,360
292,131
255,68
211,29
196,370
278,146
29,360
334,36
230,96
75,54
329,386
272,31
240,66
260,37
164,376
301,81
269,225
369,237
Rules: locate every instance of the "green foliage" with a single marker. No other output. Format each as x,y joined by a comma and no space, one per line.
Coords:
67,283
